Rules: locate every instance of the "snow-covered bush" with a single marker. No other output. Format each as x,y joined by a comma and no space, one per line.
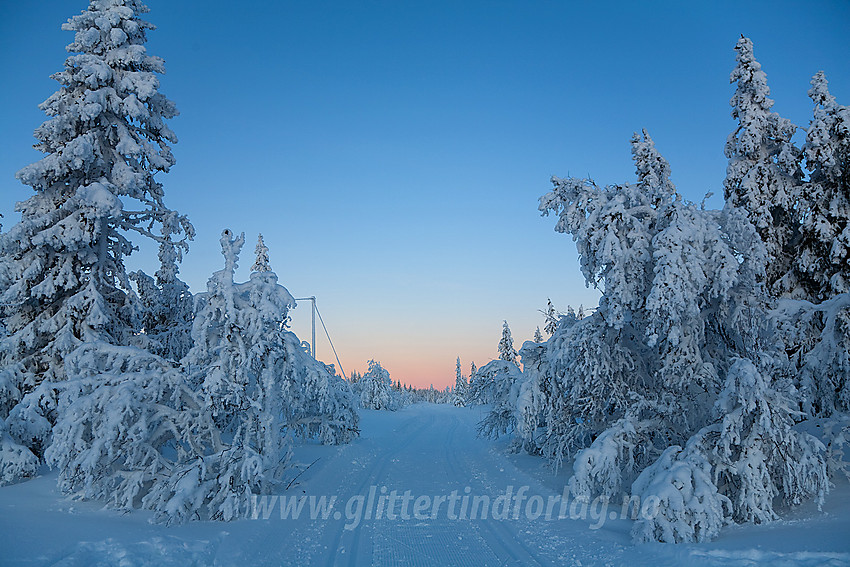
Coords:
16,461
679,502
608,464
128,421
323,405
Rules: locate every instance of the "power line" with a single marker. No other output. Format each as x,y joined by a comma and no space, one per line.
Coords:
331,342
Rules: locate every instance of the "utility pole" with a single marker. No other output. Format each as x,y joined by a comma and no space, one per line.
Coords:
313,344
330,342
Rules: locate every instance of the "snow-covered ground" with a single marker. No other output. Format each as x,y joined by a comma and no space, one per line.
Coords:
424,467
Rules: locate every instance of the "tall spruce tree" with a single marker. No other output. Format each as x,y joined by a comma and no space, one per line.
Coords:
763,174
823,260
64,281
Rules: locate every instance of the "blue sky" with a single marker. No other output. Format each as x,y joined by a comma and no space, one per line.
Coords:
392,152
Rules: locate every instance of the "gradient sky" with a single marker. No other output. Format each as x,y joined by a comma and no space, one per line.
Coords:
392,152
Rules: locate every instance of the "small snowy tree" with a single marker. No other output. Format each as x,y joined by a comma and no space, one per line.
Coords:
262,262
166,304
502,378
538,337
376,388
551,318
506,345
459,393
758,458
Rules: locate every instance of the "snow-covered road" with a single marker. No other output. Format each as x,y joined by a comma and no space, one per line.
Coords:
418,488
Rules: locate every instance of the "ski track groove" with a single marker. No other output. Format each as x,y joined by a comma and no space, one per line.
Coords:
370,477
501,533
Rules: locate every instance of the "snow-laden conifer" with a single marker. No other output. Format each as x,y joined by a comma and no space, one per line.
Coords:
682,297
129,426
63,276
376,388
551,318
459,392
506,345
261,264
763,174
823,253
500,379
759,460
166,304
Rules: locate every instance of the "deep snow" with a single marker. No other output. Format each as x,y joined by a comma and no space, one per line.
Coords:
430,451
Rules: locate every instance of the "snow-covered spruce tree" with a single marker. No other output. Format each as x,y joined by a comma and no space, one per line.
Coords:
506,345
502,379
475,388
319,404
816,327
63,276
166,304
623,386
253,372
237,363
483,388
530,402
376,388
459,392
538,336
497,382
758,460
551,318
823,259
763,175
261,264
